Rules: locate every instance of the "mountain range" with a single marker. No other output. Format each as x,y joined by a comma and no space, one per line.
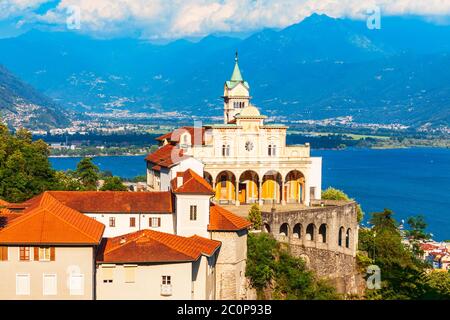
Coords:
319,68
23,106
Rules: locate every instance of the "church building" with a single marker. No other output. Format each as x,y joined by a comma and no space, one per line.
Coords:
245,159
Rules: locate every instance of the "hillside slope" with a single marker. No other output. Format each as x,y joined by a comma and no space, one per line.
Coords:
23,106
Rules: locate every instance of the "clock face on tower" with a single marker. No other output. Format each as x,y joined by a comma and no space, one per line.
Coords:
249,146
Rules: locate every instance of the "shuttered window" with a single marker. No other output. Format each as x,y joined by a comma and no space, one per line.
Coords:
49,286
108,274
154,222
24,253
130,274
22,284
132,222
3,253
76,284
44,253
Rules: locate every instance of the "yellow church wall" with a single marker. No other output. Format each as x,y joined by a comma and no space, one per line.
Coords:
270,190
226,192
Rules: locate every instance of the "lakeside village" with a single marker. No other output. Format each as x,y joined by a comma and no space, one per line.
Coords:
186,234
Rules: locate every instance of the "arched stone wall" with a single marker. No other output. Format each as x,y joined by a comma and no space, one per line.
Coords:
327,258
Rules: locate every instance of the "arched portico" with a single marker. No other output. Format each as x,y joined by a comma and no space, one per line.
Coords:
271,187
294,187
225,187
248,187
208,177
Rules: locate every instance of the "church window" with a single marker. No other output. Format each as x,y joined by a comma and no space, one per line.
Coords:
225,150
272,150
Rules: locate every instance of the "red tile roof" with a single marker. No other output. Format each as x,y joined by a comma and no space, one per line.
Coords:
221,219
197,135
152,246
48,221
3,203
192,183
166,156
116,201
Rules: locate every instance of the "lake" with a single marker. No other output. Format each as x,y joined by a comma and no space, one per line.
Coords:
408,181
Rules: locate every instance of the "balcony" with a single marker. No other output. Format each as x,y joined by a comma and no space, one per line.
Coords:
166,290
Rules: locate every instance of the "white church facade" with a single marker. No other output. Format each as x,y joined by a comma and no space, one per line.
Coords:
245,159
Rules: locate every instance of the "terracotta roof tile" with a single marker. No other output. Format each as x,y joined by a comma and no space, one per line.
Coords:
166,156
154,246
192,183
51,222
3,203
221,219
116,201
197,133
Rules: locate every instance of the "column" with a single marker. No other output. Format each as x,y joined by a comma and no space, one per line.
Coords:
236,191
283,200
213,182
307,195
260,201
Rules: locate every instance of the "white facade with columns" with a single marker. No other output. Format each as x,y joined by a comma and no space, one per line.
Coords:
246,160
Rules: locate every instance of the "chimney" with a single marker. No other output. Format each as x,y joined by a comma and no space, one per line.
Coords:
179,181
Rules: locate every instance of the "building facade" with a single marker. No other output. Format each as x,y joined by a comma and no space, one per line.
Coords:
122,245
245,159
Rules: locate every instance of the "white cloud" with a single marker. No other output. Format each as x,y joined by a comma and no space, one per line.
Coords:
14,8
181,18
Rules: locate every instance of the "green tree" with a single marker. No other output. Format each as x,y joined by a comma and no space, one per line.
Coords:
254,216
272,268
417,233
67,181
24,167
113,184
87,173
403,275
336,194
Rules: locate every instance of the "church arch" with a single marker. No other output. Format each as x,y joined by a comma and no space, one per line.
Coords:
310,230
208,178
249,187
271,187
347,238
284,230
297,231
323,233
294,187
225,187
340,236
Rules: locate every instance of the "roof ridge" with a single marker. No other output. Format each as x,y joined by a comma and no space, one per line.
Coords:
170,245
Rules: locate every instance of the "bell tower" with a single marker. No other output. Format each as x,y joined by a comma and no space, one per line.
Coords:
236,94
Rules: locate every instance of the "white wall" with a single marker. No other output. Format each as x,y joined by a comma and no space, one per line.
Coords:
188,163
122,225
165,179
186,227
147,283
315,176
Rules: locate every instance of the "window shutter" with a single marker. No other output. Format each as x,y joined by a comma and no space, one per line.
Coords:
159,222
129,273
36,253
52,253
4,254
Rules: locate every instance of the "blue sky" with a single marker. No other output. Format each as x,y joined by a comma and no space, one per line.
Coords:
174,19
